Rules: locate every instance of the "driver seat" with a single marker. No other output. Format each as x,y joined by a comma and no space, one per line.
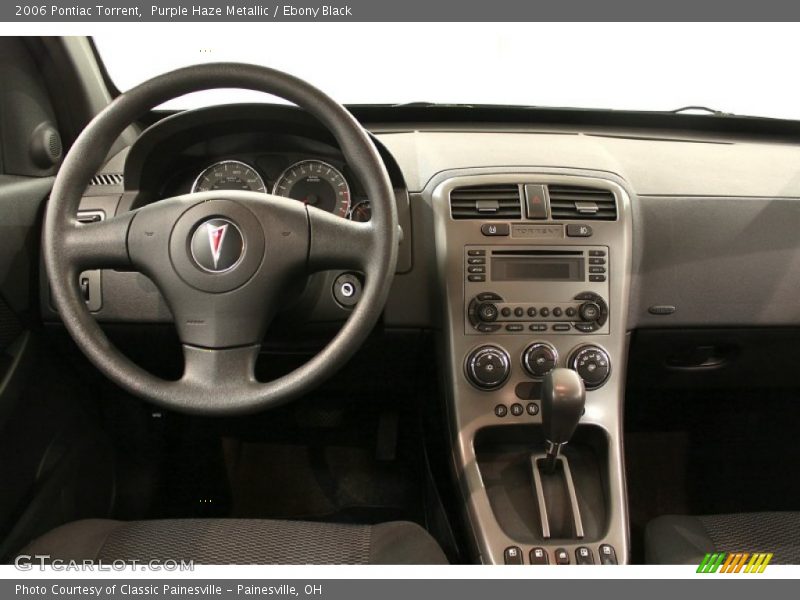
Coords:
239,541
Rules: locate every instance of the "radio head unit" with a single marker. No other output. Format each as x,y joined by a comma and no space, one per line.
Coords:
519,289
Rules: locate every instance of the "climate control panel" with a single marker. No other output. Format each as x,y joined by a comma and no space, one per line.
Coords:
488,367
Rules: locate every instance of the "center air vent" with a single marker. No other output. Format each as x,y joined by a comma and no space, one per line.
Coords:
583,203
486,202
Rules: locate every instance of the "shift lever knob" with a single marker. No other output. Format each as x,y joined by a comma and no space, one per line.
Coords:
563,399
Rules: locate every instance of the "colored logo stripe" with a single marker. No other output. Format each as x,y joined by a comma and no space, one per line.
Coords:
735,562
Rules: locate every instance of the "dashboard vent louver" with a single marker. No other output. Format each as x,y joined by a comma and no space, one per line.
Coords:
582,203
107,179
501,201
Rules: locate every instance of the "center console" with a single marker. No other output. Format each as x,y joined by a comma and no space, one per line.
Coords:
534,268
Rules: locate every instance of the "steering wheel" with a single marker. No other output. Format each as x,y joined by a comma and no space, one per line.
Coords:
220,258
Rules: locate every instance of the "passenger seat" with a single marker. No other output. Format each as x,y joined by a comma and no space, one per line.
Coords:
674,540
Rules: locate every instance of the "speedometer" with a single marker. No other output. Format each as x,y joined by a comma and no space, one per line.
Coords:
229,175
315,183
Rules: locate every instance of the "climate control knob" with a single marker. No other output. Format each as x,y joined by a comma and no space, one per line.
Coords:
539,359
592,364
488,367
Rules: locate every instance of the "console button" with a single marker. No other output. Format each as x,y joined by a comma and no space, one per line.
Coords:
476,269
519,312
545,312
583,556
487,327
515,327
538,327
495,229
505,311
513,556
539,359
607,555
579,230
488,367
597,269
534,201
476,261
585,327
476,252
597,261
571,312
562,327
500,410
597,252
538,556
517,409
532,408
532,312
476,277
484,296
562,557
597,278
557,312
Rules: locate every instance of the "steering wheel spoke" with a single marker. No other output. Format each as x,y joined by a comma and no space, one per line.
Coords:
338,243
99,245
214,372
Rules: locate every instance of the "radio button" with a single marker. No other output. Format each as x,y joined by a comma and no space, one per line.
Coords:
597,261
557,312
597,252
514,327
495,229
571,312
562,327
487,327
519,312
585,327
476,261
597,278
532,312
476,252
537,327
476,277
483,296
476,269
545,312
487,312
597,269
506,312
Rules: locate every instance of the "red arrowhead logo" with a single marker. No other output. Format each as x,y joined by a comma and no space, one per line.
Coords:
216,235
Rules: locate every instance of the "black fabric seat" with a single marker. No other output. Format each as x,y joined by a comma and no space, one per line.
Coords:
677,540
240,541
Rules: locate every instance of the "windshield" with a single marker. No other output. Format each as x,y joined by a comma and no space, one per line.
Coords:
655,67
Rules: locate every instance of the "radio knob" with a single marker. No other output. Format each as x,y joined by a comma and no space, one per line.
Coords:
488,367
539,359
592,364
487,312
589,311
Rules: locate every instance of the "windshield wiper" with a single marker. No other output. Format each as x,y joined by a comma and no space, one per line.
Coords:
700,110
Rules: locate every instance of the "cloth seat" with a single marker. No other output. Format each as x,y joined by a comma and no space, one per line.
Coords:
676,540
239,541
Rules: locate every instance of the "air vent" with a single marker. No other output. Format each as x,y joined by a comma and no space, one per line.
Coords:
486,202
107,179
582,203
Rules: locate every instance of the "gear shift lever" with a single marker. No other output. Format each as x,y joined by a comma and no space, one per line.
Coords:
563,399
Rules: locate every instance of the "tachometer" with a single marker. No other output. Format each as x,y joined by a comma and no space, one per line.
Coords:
315,183
229,175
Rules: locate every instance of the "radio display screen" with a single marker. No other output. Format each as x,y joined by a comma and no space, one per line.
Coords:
533,268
